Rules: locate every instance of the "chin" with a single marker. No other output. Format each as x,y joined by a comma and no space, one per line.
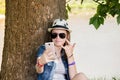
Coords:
58,45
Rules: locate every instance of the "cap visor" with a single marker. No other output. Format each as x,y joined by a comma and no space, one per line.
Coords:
50,29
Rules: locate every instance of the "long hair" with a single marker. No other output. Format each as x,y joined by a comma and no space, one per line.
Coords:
68,37
63,53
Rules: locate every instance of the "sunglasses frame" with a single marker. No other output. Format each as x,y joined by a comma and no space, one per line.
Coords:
55,35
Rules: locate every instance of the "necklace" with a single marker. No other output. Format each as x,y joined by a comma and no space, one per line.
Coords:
57,56
57,52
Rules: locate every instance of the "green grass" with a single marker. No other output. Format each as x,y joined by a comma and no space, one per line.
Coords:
86,6
2,6
104,78
76,6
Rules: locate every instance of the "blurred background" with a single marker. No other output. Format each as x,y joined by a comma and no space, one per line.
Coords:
97,52
2,22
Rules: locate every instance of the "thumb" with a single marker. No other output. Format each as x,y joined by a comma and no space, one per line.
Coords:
62,46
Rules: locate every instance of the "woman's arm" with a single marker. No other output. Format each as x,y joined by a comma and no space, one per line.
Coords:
71,63
46,57
39,65
74,75
72,67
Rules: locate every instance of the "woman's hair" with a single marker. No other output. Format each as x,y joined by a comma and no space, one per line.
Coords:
68,37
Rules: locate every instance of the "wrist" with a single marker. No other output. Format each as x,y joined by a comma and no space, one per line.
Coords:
72,63
39,69
40,65
70,60
40,62
70,56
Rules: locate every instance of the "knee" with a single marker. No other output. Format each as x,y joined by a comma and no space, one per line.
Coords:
80,76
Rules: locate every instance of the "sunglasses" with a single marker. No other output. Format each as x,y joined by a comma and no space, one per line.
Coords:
61,35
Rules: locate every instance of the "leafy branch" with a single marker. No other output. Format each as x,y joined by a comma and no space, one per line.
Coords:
104,8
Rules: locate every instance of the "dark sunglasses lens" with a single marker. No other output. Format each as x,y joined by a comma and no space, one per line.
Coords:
53,35
62,35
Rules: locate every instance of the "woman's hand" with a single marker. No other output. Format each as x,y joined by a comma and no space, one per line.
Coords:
47,56
69,48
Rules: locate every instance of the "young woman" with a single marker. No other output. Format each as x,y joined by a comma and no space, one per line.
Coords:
59,65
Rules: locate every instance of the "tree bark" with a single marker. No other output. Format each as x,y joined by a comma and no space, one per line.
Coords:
26,26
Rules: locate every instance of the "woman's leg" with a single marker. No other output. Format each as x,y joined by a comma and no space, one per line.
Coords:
80,76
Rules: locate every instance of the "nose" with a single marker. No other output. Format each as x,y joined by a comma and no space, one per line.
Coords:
57,37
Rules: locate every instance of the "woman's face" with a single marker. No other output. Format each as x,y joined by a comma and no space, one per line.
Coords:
59,37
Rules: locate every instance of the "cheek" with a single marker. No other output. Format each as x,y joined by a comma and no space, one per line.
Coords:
63,42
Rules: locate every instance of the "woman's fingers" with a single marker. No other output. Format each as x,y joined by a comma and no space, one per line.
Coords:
74,45
62,46
50,56
68,42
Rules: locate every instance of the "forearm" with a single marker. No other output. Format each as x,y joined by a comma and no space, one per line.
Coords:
72,67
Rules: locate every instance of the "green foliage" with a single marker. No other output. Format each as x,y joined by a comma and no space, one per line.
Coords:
102,10
105,78
68,9
105,7
118,19
2,6
96,21
80,6
114,78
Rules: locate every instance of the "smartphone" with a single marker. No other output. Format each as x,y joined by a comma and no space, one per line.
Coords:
50,45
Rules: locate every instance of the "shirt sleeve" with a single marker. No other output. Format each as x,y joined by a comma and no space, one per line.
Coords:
40,50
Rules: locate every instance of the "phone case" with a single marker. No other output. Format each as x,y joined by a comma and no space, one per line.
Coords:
50,45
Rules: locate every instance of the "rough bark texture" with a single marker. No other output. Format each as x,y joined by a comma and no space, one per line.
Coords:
25,29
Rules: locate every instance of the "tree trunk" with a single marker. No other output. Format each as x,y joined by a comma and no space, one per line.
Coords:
25,30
